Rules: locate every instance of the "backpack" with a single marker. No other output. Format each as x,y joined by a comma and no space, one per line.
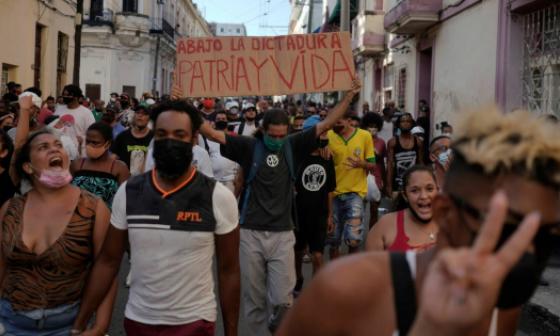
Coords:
258,158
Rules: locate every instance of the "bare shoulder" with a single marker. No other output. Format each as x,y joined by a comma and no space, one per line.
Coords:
387,220
120,165
352,281
340,297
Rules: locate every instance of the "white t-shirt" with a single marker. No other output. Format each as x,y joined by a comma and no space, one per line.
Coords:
248,130
224,169
387,132
171,271
83,118
201,160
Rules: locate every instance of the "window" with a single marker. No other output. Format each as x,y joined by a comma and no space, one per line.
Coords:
129,90
238,30
401,100
541,60
130,6
93,91
37,66
8,74
96,9
221,30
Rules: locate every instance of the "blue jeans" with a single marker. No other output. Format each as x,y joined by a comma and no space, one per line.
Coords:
347,208
39,322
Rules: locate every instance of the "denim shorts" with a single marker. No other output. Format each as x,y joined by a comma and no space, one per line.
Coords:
347,207
39,322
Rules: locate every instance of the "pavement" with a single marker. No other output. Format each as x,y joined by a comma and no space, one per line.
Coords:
541,315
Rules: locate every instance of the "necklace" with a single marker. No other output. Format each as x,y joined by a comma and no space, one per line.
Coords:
431,235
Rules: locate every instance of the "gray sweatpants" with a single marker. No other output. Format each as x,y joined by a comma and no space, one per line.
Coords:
267,271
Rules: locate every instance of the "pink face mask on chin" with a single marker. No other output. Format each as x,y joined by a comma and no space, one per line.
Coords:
55,177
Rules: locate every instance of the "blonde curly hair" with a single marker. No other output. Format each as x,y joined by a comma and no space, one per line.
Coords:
518,142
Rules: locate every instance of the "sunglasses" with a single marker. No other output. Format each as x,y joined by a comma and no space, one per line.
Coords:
512,221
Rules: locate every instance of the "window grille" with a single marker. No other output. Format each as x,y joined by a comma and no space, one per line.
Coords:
541,60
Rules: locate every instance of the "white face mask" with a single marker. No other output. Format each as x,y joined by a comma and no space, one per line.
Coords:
373,131
444,157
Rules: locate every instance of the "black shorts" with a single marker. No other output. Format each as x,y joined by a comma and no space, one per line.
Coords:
311,230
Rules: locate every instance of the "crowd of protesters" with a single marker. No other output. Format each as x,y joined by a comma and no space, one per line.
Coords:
259,187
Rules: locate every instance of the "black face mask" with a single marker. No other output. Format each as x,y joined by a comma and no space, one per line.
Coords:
221,125
67,100
523,279
323,143
124,104
250,119
172,157
7,128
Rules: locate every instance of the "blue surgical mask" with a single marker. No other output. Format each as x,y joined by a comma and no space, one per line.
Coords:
444,157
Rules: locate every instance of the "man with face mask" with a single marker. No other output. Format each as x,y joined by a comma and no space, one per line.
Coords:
315,184
224,170
249,125
176,220
83,118
403,152
354,158
268,161
131,145
441,156
232,110
496,214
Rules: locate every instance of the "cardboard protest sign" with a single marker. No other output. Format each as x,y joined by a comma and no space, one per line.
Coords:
273,65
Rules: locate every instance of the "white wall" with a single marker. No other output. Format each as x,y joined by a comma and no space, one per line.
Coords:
406,60
465,61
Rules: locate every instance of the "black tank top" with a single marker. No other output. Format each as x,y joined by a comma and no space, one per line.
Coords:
404,159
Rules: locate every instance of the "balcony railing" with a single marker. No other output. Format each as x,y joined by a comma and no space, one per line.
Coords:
168,29
104,18
412,16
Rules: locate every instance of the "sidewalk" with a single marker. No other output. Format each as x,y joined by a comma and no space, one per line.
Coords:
543,311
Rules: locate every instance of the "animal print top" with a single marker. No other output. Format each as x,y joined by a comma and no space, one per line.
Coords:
58,275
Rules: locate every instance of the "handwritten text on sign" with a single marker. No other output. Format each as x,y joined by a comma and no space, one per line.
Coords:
241,66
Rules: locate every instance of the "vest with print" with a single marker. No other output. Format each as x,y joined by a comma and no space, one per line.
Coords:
188,209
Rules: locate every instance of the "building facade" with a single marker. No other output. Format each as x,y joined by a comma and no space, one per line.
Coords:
37,43
458,55
129,45
228,29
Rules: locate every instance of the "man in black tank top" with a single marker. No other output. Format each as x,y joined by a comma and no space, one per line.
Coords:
403,152
497,215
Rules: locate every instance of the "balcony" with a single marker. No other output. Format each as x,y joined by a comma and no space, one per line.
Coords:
99,22
412,16
132,24
368,35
